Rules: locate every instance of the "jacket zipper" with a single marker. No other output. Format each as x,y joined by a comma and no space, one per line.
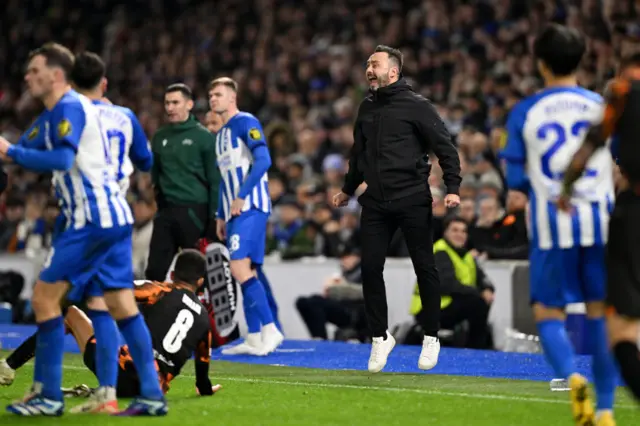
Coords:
379,144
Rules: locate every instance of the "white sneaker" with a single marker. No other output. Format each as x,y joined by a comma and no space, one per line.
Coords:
380,350
271,339
251,346
7,374
429,354
103,400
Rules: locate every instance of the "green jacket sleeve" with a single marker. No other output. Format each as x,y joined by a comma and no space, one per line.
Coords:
211,171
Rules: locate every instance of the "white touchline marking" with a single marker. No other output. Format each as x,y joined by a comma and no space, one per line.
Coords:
385,389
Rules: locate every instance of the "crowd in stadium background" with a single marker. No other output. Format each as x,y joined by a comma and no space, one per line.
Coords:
300,67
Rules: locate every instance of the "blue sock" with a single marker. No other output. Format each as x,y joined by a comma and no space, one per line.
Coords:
49,353
136,334
271,301
557,347
107,347
605,372
253,292
250,313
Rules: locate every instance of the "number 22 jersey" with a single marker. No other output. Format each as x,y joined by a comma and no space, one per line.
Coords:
544,131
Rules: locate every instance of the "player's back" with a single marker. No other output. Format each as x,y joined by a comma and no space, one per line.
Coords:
116,122
234,144
177,321
627,132
89,191
554,123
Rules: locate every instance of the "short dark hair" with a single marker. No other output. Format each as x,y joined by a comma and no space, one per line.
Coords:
180,87
560,48
224,81
395,55
454,219
630,61
191,265
88,71
55,55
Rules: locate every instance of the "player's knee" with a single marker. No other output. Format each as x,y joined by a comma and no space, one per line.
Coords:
542,313
47,297
621,329
241,270
121,303
97,304
596,309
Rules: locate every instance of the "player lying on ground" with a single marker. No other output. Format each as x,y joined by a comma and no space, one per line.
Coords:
178,323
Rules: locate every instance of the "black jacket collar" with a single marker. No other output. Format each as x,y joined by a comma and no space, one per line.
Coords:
388,91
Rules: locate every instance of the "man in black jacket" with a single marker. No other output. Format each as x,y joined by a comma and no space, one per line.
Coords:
395,130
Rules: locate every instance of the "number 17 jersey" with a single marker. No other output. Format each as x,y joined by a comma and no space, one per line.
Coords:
544,132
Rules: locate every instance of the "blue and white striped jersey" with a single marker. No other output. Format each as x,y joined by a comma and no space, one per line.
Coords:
128,142
543,133
88,191
237,142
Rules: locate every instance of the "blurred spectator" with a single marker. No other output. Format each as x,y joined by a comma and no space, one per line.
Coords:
467,293
506,236
291,235
299,69
342,303
13,215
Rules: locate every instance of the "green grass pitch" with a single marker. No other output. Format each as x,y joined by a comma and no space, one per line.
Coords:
271,395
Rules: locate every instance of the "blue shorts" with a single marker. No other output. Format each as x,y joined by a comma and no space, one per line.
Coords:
247,236
558,277
92,260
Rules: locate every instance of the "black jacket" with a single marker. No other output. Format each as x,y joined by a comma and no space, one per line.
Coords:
395,130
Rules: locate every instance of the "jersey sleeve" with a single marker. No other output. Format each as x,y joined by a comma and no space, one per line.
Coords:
67,124
149,292
515,150
202,359
252,133
140,152
253,136
615,97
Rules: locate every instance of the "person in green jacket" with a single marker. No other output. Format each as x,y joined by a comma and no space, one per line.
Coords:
186,180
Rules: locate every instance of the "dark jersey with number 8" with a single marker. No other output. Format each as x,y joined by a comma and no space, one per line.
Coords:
178,323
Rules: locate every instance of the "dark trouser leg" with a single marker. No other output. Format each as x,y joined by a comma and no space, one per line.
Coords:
191,225
316,311
416,225
162,248
475,310
376,230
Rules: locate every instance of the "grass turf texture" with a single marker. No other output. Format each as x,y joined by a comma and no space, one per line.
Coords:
269,395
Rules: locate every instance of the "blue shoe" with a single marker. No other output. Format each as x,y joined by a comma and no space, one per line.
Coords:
145,407
37,406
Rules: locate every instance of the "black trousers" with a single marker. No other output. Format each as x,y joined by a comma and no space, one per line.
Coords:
316,311
174,228
379,222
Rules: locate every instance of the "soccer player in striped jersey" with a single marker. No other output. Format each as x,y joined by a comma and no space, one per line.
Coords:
92,255
243,210
128,142
567,256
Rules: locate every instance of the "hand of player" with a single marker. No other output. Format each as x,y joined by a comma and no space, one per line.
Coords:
564,203
340,199
488,296
221,229
452,200
236,206
4,146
